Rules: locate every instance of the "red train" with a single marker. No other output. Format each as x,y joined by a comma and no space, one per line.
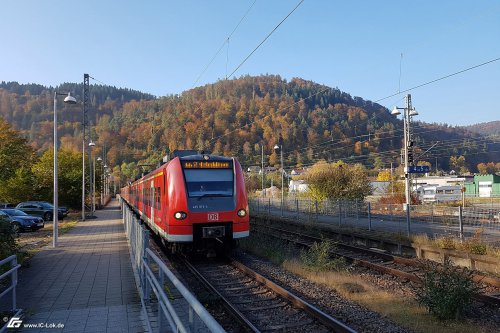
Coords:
196,201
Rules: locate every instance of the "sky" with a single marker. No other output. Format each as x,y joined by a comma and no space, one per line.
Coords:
371,49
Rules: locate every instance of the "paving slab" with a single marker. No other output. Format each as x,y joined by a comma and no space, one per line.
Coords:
86,284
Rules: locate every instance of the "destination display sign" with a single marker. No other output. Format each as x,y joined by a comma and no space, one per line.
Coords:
206,164
418,169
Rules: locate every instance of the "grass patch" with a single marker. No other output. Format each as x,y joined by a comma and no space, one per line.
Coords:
263,245
317,258
64,227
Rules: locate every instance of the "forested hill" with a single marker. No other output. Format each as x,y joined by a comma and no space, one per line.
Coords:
489,128
235,117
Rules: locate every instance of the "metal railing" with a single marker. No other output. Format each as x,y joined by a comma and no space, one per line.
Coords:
432,220
14,266
157,277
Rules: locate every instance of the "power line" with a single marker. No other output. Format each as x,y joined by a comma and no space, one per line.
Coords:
439,79
222,45
269,35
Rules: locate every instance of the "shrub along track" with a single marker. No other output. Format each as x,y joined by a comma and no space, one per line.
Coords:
404,268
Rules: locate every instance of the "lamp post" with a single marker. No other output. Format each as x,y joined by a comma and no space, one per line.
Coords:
407,143
280,148
55,214
101,201
92,168
105,174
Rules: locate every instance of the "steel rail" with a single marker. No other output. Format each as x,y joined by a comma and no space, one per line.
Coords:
227,304
325,319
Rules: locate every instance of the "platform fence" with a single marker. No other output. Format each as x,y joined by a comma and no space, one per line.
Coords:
156,277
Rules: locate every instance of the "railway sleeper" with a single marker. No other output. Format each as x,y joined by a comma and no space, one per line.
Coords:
258,292
266,307
243,288
248,301
287,326
228,283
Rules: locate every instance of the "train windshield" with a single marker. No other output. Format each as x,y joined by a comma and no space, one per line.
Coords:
209,182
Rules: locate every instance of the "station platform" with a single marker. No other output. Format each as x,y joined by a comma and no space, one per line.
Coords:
86,284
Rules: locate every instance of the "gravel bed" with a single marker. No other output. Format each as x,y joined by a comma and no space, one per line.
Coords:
352,314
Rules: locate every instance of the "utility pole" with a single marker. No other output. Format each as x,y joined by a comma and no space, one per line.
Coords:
262,172
408,112
407,141
392,182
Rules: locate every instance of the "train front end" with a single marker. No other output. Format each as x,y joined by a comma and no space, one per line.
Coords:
212,211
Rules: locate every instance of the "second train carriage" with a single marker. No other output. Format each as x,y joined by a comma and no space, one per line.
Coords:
197,200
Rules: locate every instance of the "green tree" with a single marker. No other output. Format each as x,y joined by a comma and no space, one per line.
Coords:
69,177
15,152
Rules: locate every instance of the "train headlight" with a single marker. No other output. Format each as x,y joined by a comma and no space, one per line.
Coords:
180,215
242,213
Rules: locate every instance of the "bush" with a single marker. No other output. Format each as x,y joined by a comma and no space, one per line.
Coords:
475,244
8,245
447,292
317,258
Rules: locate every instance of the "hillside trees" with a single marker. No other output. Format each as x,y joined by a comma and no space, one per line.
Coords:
229,117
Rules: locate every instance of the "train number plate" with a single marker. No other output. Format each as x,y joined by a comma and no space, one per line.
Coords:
213,217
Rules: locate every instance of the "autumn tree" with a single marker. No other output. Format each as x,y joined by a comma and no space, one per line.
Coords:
488,168
16,157
338,181
457,163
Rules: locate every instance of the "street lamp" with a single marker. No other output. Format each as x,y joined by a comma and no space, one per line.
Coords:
407,143
99,159
105,175
280,149
55,214
92,175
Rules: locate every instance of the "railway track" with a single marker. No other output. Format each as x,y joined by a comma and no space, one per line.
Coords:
410,269
258,303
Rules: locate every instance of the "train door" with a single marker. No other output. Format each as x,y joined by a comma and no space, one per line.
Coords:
152,201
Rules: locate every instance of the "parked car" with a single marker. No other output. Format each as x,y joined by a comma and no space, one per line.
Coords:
7,205
40,208
21,221
64,210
